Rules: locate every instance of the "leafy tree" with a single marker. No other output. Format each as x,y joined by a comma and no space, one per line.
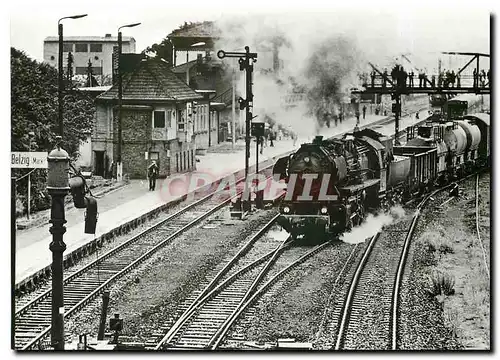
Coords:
34,109
163,50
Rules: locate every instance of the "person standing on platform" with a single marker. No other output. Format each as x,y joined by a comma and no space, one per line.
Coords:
364,111
152,175
272,137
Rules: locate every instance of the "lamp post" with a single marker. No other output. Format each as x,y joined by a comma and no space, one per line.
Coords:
58,186
119,167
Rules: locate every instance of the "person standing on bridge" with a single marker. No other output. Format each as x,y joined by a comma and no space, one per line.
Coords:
475,76
410,75
483,78
384,79
373,77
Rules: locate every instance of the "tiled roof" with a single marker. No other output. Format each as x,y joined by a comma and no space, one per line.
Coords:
204,29
88,38
152,80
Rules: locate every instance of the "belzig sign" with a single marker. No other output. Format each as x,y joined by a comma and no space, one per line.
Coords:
28,160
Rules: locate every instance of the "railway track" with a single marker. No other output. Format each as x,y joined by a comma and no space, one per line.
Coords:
370,314
205,322
32,322
486,268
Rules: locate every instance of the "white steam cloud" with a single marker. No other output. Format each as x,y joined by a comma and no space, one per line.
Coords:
320,54
372,225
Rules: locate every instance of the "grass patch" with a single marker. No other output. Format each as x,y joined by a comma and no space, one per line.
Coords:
442,284
435,242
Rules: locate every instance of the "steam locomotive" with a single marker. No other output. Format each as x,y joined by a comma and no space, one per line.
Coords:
333,183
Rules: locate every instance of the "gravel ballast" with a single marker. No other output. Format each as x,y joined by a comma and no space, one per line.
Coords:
148,298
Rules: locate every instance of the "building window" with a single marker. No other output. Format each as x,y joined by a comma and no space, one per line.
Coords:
169,118
180,123
81,47
159,119
95,47
67,47
154,156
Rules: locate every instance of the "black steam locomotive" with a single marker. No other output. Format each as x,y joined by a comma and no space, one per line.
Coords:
333,183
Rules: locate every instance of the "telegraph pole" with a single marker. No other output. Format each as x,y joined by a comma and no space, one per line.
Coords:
246,61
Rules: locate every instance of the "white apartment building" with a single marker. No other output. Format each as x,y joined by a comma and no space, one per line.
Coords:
97,49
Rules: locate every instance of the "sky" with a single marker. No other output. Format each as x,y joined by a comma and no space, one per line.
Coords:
453,27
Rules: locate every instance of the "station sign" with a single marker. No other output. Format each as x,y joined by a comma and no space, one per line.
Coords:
28,160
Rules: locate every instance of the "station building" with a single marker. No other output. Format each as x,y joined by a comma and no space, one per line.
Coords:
156,122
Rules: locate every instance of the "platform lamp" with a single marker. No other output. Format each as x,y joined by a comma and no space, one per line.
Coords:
58,187
119,166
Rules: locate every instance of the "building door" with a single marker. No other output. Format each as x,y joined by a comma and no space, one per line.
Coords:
99,163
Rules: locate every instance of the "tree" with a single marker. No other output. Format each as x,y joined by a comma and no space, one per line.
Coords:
163,50
69,68
34,108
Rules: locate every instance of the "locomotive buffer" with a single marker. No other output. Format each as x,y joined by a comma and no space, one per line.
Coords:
383,85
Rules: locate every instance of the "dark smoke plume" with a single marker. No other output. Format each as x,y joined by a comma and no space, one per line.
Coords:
330,70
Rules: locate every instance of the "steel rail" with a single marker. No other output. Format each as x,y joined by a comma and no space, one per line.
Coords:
125,270
352,289
122,246
264,288
478,231
211,288
220,288
250,291
132,265
403,258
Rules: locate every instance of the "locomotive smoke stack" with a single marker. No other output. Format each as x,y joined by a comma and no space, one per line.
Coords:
318,139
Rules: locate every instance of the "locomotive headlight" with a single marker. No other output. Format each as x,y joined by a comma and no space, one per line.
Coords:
306,159
324,210
286,209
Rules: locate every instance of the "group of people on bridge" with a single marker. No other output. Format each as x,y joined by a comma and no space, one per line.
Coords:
446,78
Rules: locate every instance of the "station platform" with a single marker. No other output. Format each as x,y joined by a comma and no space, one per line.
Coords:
132,204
